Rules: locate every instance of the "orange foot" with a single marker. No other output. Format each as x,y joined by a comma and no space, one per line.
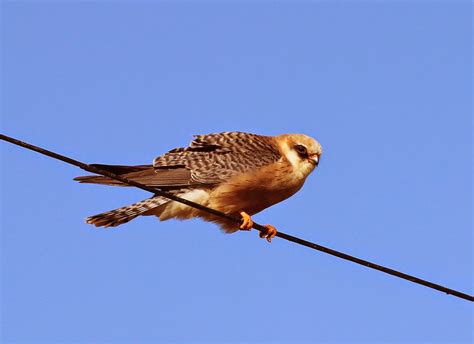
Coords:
247,222
269,234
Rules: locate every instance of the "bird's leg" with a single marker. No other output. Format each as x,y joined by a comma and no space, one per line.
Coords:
269,234
247,222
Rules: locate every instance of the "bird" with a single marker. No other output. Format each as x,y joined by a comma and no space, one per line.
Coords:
237,173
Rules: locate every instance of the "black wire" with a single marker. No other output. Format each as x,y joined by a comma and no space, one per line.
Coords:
96,170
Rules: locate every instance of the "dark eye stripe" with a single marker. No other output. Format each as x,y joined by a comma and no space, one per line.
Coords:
301,150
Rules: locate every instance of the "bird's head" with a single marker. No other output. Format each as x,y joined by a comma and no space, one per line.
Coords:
302,151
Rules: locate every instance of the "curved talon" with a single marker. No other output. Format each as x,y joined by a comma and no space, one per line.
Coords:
269,234
247,222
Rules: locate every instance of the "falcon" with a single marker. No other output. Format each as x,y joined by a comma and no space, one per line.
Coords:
236,173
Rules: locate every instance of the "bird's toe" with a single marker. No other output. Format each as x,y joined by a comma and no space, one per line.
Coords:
247,222
269,234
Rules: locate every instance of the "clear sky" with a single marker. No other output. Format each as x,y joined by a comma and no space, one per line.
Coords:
384,86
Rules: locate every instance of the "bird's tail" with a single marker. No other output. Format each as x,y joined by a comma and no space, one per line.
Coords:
132,172
125,214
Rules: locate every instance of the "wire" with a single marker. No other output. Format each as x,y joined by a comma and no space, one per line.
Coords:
96,170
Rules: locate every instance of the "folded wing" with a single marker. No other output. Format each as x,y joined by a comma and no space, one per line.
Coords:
209,160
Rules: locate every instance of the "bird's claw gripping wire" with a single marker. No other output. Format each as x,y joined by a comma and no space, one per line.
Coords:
247,224
269,234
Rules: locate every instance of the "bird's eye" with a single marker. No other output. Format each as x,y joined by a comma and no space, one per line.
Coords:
301,150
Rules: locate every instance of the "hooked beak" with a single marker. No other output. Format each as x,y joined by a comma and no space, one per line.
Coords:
314,159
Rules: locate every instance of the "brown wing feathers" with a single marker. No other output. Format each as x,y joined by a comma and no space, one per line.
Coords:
215,158
166,179
209,159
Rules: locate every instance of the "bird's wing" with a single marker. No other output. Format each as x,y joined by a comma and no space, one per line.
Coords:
169,179
214,158
209,160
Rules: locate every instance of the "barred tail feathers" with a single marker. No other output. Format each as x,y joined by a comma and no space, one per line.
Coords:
125,214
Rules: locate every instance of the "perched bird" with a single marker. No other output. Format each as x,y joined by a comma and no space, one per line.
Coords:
233,172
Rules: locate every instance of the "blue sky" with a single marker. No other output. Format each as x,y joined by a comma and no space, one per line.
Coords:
384,86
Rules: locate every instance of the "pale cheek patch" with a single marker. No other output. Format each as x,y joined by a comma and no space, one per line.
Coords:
291,155
301,168
293,158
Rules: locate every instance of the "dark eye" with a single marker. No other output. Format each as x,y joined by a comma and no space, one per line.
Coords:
301,150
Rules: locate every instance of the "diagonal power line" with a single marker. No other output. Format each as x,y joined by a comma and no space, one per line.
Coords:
96,170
